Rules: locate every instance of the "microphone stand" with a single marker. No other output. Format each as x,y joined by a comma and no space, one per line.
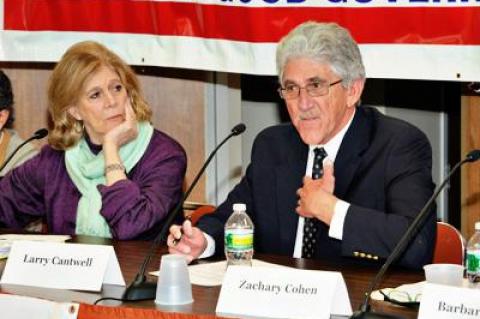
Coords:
39,134
364,311
140,288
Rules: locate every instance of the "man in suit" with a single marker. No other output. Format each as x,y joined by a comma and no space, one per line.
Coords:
375,179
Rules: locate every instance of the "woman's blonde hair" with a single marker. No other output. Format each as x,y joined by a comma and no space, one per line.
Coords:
78,63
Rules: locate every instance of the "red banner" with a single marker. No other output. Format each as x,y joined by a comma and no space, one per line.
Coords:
414,25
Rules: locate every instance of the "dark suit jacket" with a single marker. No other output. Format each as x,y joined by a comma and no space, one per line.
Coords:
383,169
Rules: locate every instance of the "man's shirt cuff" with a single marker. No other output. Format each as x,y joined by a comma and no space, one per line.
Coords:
338,219
210,250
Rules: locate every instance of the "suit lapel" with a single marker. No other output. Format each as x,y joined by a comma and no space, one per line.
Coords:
289,177
354,143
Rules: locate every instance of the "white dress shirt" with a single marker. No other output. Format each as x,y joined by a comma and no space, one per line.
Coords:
341,207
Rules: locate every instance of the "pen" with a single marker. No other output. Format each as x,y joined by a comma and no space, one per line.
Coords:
175,241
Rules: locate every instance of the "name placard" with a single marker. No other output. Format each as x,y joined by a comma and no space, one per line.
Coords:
282,293
442,302
21,307
62,266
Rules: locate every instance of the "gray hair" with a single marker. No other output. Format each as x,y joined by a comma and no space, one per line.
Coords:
325,43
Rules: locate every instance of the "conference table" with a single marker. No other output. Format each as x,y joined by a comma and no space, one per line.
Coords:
131,254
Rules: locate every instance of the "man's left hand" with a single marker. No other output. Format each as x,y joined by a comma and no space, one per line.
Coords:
316,197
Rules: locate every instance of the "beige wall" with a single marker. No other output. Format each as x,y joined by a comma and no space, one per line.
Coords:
470,193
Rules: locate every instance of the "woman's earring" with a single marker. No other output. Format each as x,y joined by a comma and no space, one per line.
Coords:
79,127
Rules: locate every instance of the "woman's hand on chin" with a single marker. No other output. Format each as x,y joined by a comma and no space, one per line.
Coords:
125,132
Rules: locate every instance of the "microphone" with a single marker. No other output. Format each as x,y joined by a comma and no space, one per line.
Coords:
39,134
140,289
412,230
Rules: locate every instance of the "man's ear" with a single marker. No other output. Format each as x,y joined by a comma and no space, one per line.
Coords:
73,111
355,92
4,114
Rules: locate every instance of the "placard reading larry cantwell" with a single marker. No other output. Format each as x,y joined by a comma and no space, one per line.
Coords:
282,293
62,266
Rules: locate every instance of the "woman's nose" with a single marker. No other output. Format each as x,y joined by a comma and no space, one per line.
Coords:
110,100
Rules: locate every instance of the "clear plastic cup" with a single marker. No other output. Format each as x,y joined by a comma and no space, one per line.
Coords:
444,274
173,287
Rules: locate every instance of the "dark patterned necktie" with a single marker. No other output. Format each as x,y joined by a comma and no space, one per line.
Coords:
310,226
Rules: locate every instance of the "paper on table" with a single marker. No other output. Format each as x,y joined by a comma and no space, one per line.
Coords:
211,274
403,293
6,240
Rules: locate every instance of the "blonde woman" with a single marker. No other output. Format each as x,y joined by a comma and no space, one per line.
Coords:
105,171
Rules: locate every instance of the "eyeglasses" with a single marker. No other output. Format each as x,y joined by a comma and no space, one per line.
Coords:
314,89
401,298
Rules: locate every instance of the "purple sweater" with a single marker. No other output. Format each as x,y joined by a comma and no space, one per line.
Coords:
133,208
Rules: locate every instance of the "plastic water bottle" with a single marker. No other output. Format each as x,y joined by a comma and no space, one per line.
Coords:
239,237
473,256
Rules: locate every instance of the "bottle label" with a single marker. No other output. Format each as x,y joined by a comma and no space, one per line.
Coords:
473,261
239,239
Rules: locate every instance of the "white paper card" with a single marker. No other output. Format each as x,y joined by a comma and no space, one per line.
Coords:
20,307
6,240
442,302
282,293
62,266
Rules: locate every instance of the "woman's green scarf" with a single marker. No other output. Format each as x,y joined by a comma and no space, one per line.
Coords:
87,171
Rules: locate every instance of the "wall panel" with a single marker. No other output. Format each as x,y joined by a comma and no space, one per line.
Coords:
470,194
